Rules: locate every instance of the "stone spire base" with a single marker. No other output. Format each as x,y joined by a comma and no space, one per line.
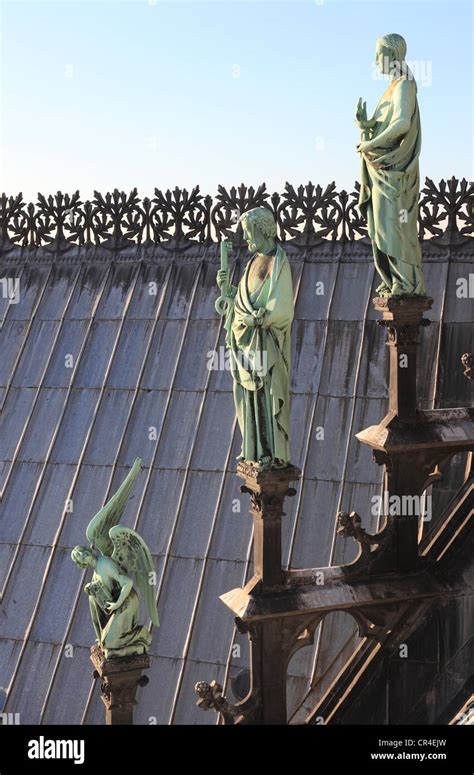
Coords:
120,678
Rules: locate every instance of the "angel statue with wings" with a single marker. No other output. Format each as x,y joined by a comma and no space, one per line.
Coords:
113,601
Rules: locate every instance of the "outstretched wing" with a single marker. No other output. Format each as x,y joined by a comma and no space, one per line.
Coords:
132,553
98,528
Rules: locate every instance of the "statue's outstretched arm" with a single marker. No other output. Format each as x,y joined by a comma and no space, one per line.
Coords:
365,124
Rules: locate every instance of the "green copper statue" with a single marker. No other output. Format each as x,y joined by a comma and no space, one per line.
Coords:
389,148
259,313
114,604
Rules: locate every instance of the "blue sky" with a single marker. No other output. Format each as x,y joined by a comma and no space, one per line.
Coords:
98,95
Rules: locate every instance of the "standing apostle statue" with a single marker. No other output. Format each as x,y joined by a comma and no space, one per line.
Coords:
390,182
258,327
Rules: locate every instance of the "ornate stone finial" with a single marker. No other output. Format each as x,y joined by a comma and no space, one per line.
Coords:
350,526
467,361
211,697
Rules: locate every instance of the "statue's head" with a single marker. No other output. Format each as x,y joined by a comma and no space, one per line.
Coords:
390,53
83,556
259,228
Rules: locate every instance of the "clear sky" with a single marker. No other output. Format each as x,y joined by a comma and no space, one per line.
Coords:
98,95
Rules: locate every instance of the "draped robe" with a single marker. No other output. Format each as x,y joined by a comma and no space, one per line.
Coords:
390,184
260,362
118,633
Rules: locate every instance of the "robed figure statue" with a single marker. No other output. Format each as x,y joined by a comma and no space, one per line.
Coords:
390,182
258,337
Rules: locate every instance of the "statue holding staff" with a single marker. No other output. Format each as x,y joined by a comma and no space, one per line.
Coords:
390,181
259,313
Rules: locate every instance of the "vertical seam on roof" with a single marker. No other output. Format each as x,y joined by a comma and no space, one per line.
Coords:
22,271
3,321
29,324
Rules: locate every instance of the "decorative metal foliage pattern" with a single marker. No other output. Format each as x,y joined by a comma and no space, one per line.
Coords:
307,215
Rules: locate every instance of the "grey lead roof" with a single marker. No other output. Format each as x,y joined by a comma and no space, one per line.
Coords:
94,371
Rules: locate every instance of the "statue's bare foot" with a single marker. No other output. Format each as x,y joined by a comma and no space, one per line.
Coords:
397,290
383,289
265,463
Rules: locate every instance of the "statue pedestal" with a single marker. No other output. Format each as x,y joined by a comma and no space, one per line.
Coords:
267,490
412,444
403,317
120,678
268,657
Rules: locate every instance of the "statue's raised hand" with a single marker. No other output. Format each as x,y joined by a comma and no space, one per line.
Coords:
223,278
361,113
248,320
258,315
361,119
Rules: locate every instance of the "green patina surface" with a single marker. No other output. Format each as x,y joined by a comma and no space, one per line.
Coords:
258,327
113,601
390,181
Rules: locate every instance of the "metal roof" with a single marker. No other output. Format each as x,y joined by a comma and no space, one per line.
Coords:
138,383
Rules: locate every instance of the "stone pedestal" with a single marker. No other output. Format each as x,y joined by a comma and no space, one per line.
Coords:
267,490
120,678
403,318
413,445
269,643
